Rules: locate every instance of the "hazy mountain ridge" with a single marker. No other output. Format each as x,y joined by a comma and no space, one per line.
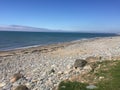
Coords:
35,29
23,28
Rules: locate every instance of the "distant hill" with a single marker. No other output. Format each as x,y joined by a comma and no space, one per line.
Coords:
23,28
34,29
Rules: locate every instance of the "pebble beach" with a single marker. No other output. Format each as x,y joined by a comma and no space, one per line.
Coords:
44,67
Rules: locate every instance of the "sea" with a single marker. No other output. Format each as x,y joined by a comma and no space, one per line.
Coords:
10,40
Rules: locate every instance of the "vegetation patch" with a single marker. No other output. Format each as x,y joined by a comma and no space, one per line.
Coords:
105,76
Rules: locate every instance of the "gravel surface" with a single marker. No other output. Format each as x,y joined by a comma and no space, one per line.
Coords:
45,70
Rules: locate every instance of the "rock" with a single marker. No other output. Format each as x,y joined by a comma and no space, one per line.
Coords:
60,72
48,83
53,66
27,84
101,77
80,63
63,86
88,68
16,84
34,81
69,66
8,86
52,71
16,77
2,84
91,87
21,87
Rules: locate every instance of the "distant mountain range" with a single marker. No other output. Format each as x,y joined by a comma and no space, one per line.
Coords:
34,29
23,28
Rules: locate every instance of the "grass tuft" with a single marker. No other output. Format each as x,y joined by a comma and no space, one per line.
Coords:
67,85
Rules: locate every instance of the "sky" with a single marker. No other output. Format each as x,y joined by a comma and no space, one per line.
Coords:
69,15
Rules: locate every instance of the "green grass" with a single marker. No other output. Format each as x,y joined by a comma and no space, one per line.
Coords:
114,82
111,79
72,86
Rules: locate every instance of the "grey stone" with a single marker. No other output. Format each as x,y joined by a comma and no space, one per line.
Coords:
16,77
80,63
8,86
2,84
52,71
63,86
21,87
91,87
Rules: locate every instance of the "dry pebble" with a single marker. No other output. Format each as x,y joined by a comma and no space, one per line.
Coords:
44,71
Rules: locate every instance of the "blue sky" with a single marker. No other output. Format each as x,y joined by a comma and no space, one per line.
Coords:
70,15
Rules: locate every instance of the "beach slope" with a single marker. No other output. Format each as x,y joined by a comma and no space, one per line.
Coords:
44,67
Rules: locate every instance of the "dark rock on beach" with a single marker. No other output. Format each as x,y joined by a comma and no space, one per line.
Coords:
79,63
21,87
16,77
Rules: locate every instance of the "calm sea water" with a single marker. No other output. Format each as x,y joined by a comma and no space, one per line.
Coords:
12,40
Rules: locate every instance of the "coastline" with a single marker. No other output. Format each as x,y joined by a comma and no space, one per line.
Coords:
36,63
27,41
29,49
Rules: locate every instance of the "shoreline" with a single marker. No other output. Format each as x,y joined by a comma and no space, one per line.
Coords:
45,67
55,43
40,47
